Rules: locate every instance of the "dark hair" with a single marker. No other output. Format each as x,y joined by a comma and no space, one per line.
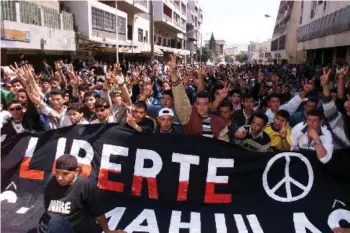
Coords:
203,95
141,104
76,106
57,92
313,100
261,116
16,80
283,113
334,90
273,95
22,90
226,103
13,101
54,78
67,160
83,87
45,79
90,93
248,96
316,112
101,103
168,92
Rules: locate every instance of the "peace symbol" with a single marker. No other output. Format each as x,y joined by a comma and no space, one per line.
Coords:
287,181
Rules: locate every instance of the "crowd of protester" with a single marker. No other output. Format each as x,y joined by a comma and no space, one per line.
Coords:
262,108
259,107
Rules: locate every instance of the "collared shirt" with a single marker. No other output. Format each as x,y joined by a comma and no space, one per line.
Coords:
258,143
300,140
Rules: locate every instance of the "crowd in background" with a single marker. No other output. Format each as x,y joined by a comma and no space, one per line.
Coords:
262,108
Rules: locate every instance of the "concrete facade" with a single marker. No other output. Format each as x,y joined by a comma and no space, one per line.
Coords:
260,52
324,31
18,35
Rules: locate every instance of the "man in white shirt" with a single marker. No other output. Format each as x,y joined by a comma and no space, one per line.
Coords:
313,136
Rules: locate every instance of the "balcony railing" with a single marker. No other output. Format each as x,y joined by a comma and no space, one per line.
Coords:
31,13
8,10
143,3
165,17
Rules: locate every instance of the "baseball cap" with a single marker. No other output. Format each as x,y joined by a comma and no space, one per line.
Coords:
166,112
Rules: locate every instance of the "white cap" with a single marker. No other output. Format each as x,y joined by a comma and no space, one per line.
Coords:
166,112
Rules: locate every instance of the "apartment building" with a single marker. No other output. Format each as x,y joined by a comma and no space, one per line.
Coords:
324,31
193,28
170,27
284,43
220,47
35,28
260,52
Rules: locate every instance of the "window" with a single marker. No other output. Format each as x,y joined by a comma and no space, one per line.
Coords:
146,37
159,41
313,9
103,20
324,5
301,12
52,18
164,42
8,10
140,35
30,13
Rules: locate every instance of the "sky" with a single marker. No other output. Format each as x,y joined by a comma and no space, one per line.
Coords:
238,21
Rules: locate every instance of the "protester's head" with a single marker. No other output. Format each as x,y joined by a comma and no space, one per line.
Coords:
102,109
82,88
147,90
55,82
139,111
314,119
310,104
248,102
166,86
274,102
16,85
57,98
258,123
165,119
202,103
116,97
90,98
236,97
334,93
281,118
45,84
22,97
67,169
16,110
76,112
167,99
226,110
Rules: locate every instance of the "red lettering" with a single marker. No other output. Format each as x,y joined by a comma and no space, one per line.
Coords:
152,186
182,191
27,173
106,184
212,197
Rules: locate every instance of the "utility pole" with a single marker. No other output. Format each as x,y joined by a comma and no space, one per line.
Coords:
151,29
116,33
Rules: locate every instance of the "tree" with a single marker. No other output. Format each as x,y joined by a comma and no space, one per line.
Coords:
242,57
212,44
206,54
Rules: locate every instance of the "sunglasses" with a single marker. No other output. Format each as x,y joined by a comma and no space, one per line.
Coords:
15,109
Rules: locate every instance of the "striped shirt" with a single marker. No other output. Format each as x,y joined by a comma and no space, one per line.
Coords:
206,127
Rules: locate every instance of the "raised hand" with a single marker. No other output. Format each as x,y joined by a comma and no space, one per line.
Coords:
222,93
130,120
325,76
307,87
283,130
341,230
172,65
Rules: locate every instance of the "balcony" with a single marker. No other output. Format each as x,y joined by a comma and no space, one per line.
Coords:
26,25
167,18
130,6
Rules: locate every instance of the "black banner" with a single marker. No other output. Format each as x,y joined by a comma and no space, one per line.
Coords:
168,183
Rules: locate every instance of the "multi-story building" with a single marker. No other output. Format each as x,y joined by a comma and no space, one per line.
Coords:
259,52
220,48
170,27
194,23
102,27
35,28
324,31
284,44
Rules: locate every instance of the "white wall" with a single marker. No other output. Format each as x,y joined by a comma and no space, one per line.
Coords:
54,4
56,39
82,16
143,24
331,7
158,10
